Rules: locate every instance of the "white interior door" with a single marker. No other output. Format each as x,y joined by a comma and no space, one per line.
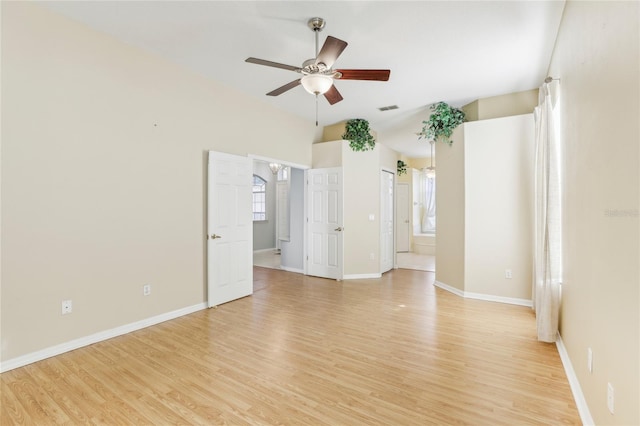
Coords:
324,223
386,221
229,228
403,225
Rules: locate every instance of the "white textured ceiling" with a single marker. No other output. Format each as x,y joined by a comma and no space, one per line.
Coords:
453,51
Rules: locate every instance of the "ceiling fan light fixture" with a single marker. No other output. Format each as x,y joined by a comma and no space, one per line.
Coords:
316,84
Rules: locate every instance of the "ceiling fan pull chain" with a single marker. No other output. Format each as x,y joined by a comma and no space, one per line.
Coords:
316,110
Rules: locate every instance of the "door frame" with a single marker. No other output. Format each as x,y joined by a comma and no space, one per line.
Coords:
304,168
409,211
394,213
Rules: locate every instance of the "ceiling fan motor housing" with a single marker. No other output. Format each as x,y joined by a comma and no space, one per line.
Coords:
316,24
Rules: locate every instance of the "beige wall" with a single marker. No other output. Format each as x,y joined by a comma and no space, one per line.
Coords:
498,206
361,171
516,103
103,177
361,177
327,154
471,111
483,212
597,59
450,202
420,163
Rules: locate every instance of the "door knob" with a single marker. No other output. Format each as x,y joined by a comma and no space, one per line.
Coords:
214,236
338,229
406,221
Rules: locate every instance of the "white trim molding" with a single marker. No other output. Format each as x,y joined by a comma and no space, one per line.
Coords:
486,297
576,390
275,160
32,357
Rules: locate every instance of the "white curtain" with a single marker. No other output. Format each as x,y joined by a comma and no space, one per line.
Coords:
428,201
547,249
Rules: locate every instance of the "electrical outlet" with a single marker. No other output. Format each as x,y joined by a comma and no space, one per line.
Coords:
610,397
146,289
590,360
67,307
508,274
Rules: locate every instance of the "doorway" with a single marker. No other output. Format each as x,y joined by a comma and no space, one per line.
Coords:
416,237
278,238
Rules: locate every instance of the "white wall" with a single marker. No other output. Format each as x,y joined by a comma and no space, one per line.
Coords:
597,59
104,177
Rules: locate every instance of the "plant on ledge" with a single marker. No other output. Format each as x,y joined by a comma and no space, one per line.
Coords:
402,168
357,132
441,123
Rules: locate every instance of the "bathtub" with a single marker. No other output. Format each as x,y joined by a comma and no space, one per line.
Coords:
424,244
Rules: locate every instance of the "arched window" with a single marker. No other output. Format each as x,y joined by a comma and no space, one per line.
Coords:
259,198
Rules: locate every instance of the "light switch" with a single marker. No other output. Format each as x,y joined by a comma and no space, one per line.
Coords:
372,217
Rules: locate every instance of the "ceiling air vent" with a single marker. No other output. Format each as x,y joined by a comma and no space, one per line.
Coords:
387,108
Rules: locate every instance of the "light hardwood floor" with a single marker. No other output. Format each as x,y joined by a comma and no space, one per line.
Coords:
304,350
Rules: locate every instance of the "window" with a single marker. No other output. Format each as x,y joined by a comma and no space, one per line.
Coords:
283,174
428,203
259,198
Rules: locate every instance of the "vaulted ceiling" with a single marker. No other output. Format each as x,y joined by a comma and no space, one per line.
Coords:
453,51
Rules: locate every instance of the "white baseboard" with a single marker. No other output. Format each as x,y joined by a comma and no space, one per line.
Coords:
297,271
32,357
576,390
499,299
448,288
361,276
486,297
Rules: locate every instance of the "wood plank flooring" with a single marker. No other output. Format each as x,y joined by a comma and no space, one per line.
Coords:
309,351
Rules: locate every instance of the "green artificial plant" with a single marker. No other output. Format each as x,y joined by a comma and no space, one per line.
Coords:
402,168
441,123
357,132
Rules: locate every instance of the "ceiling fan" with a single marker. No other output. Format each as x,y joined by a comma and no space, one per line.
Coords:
317,75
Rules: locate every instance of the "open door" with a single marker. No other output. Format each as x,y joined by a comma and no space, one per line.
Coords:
229,228
324,223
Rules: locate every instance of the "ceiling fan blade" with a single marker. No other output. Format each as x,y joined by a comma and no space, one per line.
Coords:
282,89
271,64
332,95
378,75
331,49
